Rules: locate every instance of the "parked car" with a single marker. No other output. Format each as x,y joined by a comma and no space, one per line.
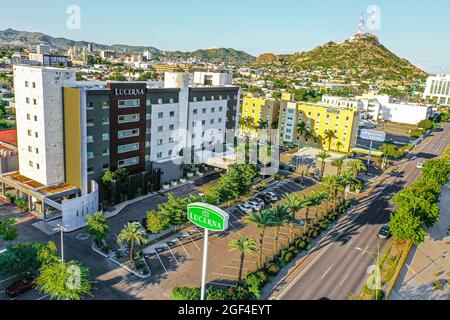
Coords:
20,287
261,202
245,208
265,198
385,232
255,205
272,196
419,165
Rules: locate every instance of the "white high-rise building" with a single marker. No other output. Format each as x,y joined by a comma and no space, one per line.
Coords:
438,89
39,100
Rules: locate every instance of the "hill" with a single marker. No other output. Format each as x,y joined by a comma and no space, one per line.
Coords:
24,38
266,58
365,58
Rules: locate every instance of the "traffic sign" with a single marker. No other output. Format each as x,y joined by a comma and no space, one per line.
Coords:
373,135
208,216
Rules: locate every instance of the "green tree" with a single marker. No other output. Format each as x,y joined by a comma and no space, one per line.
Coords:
331,183
406,226
338,163
175,209
97,226
356,166
64,281
301,129
133,234
8,229
262,220
157,222
323,156
316,199
48,254
436,169
243,245
20,258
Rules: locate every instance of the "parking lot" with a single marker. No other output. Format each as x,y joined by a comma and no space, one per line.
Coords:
31,295
183,252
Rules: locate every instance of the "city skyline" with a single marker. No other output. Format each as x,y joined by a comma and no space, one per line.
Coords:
261,30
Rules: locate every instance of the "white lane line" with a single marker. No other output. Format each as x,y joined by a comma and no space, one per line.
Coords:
243,268
225,275
343,280
223,284
245,261
10,278
365,226
348,246
43,297
364,251
193,241
173,254
159,258
326,273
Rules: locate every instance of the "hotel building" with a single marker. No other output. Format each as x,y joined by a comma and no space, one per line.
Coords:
438,89
70,133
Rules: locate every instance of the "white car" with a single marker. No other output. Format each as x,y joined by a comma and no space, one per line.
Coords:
255,205
273,197
419,165
245,208
259,201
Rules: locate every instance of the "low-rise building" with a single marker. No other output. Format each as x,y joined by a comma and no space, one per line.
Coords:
438,89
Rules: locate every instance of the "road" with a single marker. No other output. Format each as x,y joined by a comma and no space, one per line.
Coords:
336,268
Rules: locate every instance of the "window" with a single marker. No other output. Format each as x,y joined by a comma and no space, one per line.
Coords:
26,84
159,155
203,98
90,123
36,135
203,122
105,105
220,109
160,115
27,100
134,103
171,100
106,166
34,101
160,101
90,106
30,149
170,153
105,152
38,166
149,102
29,133
90,155
195,111
37,150
203,111
33,84
159,142
128,162
148,116
213,110
90,139
30,163
128,133
194,99
128,148
129,118
28,116
160,129
105,121
171,127
172,114
170,140
220,120
105,137
211,121
213,98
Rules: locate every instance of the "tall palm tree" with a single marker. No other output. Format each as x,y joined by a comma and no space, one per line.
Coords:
356,166
97,226
308,206
308,135
294,203
323,156
244,245
329,135
262,220
301,129
339,163
317,198
133,233
279,218
332,184
347,179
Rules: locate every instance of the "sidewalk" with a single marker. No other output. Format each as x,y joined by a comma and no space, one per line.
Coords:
428,265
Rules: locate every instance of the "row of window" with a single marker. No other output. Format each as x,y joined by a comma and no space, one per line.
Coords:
213,110
28,101
27,84
211,121
213,98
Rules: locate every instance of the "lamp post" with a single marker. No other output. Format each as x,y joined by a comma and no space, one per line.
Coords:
376,257
61,229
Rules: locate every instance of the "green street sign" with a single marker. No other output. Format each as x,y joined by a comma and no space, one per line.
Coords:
208,217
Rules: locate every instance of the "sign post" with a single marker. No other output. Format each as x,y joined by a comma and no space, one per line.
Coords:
211,218
372,135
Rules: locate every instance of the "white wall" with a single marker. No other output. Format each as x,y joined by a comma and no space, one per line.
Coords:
406,113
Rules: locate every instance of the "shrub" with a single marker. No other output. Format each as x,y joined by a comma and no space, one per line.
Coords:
254,282
106,249
301,244
216,294
238,293
378,294
157,222
272,269
8,230
324,225
184,293
288,257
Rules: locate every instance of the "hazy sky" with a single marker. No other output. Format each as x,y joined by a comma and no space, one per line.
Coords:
414,29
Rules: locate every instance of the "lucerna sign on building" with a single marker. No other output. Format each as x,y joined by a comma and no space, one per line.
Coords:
208,217
129,92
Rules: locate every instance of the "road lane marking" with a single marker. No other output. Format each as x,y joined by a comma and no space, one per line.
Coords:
343,280
10,278
326,273
364,251
224,275
365,226
348,246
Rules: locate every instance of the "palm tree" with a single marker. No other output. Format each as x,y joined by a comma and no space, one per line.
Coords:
279,218
356,166
308,206
263,124
301,129
323,156
339,146
332,184
329,135
97,226
308,135
262,220
294,203
317,198
347,179
244,245
339,163
133,233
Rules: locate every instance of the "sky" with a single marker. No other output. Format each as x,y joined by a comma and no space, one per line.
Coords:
417,30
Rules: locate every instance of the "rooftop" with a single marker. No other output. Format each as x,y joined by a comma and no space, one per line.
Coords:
9,137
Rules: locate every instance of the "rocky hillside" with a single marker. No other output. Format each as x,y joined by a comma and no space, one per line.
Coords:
266,58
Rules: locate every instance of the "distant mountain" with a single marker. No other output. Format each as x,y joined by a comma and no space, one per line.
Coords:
24,38
365,58
266,58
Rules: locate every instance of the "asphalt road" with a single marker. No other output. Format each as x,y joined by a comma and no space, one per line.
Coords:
335,268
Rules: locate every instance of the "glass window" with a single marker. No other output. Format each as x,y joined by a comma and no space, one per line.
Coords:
160,129
160,115
128,148
129,118
105,136
134,103
128,133
128,162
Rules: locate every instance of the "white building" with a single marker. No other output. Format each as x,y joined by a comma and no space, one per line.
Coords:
438,88
40,121
213,78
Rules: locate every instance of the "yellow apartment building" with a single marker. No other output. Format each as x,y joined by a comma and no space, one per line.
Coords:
260,110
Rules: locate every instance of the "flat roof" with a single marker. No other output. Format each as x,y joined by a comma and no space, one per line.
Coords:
17,177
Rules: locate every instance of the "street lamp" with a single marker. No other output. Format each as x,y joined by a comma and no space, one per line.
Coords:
376,257
61,229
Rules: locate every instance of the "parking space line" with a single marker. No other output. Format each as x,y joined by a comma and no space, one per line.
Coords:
160,261
233,215
246,261
223,284
224,275
43,297
172,254
10,278
184,248
193,241
237,268
34,290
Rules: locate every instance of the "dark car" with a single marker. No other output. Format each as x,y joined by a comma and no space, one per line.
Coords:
385,232
20,287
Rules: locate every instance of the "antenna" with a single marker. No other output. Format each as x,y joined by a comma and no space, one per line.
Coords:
361,25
